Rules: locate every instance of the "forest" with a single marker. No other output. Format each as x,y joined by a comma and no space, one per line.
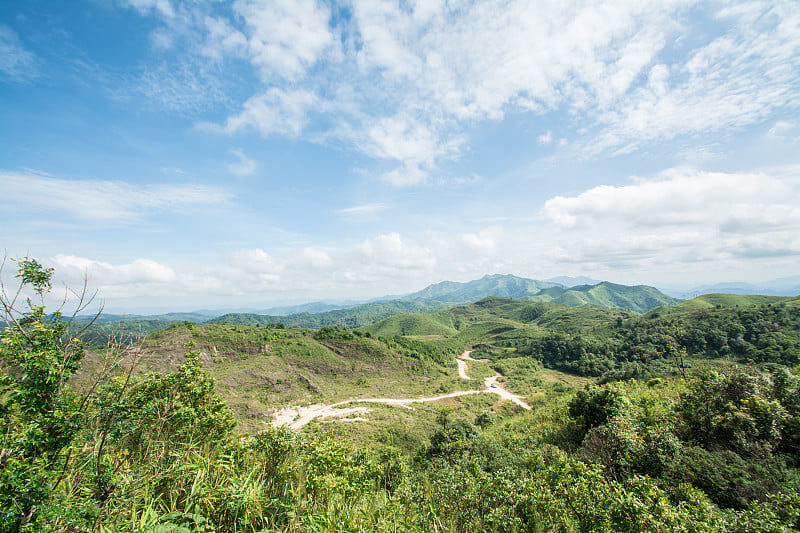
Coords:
671,421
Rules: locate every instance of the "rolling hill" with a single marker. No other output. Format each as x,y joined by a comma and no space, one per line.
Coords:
635,299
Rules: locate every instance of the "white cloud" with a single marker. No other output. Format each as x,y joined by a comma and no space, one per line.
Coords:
737,79
138,271
484,242
244,166
101,199
361,210
405,176
16,63
162,7
255,260
285,37
388,253
545,138
274,112
180,88
403,82
222,39
682,216
314,258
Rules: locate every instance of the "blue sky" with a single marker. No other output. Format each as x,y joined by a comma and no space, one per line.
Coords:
246,154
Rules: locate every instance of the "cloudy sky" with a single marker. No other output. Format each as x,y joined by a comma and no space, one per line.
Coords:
251,153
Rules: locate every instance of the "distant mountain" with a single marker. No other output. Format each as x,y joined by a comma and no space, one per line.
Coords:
311,307
504,286
788,286
436,297
354,317
638,298
195,316
569,281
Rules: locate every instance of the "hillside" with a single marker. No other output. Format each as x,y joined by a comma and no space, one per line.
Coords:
505,286
260,368
224,427
635,299
709,301
353,317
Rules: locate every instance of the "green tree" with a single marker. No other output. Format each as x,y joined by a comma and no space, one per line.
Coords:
40,416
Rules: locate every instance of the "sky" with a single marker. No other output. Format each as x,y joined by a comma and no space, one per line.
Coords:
185,155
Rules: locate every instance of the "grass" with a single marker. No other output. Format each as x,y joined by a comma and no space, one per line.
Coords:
258,369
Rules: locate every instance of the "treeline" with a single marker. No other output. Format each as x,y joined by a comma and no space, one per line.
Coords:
634,347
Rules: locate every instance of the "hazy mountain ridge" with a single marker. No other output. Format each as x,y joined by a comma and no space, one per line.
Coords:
787,286
502,285
636,299
435,297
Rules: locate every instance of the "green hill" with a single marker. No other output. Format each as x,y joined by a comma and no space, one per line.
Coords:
505,286
353,317
479,321
709,301
438,324
637,299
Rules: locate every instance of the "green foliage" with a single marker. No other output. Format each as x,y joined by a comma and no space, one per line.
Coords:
737,409
594,406
180,407
32,273
41,418
157,452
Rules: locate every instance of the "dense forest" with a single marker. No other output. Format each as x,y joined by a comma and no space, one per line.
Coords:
708,439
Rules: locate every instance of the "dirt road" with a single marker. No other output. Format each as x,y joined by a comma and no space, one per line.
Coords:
297,417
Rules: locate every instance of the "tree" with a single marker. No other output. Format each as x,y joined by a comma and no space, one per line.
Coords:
40,417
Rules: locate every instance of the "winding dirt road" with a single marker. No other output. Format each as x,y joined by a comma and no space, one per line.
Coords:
297,417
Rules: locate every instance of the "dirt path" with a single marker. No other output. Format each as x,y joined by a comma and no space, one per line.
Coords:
462,364
297,417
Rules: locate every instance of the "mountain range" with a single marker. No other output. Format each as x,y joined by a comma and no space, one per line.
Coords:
635,299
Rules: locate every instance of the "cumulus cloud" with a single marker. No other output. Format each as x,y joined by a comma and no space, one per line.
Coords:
274,112
103,273
485,241
404,82
285,37
405,176
388,253
682,215
102,199
258,262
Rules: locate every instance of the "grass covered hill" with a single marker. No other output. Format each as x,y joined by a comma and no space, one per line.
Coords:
352,317
506,286
613,344
260,368
434,298
717,300
638,299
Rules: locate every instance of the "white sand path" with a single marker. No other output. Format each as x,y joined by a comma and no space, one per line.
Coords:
298,416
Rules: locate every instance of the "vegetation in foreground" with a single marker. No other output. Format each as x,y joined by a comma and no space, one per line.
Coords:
158,452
